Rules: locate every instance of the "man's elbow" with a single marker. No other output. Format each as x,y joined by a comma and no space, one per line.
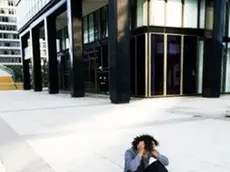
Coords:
166,163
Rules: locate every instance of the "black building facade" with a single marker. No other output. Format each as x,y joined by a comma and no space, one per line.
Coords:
130,48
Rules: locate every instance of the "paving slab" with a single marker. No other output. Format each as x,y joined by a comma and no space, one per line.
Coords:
57,133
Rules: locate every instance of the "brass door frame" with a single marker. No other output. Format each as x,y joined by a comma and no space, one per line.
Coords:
165,35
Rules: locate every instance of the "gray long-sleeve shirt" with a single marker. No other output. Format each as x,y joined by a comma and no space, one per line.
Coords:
133,160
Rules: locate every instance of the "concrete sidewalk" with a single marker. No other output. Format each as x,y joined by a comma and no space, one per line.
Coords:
56,133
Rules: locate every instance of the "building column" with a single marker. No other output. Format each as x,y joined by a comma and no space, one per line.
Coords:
74,13
50,34
119,40
26,67
37,74
213,52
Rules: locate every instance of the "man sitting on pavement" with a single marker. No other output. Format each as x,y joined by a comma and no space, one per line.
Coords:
137,158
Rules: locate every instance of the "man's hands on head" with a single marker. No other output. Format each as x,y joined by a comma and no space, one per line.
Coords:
154,151
141,148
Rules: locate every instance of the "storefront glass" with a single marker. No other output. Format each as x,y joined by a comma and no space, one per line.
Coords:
190,13
174,13
85,28
157,13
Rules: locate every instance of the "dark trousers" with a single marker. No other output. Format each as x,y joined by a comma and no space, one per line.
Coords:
156,167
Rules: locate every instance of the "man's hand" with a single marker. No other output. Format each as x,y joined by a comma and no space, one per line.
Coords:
141,148
155,154
154,151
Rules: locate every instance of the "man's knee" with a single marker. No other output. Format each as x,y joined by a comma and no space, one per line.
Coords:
156,167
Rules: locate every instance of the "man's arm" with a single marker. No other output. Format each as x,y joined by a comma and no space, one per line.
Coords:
161,158
132,164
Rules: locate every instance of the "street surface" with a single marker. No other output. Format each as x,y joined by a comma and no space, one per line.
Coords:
56,133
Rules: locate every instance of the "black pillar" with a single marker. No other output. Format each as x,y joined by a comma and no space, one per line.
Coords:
213,52
37,74
52,55
74,10
119,54
26,68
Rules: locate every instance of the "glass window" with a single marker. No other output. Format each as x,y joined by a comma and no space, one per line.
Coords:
104,22
157,12
227,77
223,68
140,12
97,25
174,13
133,65
105,56
209,15
140,65
228,18
85,23
157,64
133,15
63,41
58,41
190,13
91,27
200,66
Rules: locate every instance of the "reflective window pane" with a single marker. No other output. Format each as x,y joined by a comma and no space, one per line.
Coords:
157,13
202,14
157,64
227,77
173,64
223,69
133,65
104,22
174,13
190,13
140,60
209,15
200,66
190,65
97,25
140,13
91,27
85,25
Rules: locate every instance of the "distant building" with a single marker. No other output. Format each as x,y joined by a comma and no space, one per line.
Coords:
9,39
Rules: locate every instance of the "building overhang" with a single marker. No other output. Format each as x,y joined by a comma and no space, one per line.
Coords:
88,7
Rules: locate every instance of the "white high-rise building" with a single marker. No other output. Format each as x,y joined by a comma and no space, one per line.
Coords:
9,40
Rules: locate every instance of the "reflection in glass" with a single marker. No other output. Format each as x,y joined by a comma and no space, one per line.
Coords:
133,65
91,27
173,64
90,68
209,15
92,74
141,55
157,13
174,13
64,72
200,66
157,64
190,13
227,77
105,56
140,12
104,22
97,25
223,69
189,65
202,14
85,25
228,18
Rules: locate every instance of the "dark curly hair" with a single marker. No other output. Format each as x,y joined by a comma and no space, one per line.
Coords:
147,140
